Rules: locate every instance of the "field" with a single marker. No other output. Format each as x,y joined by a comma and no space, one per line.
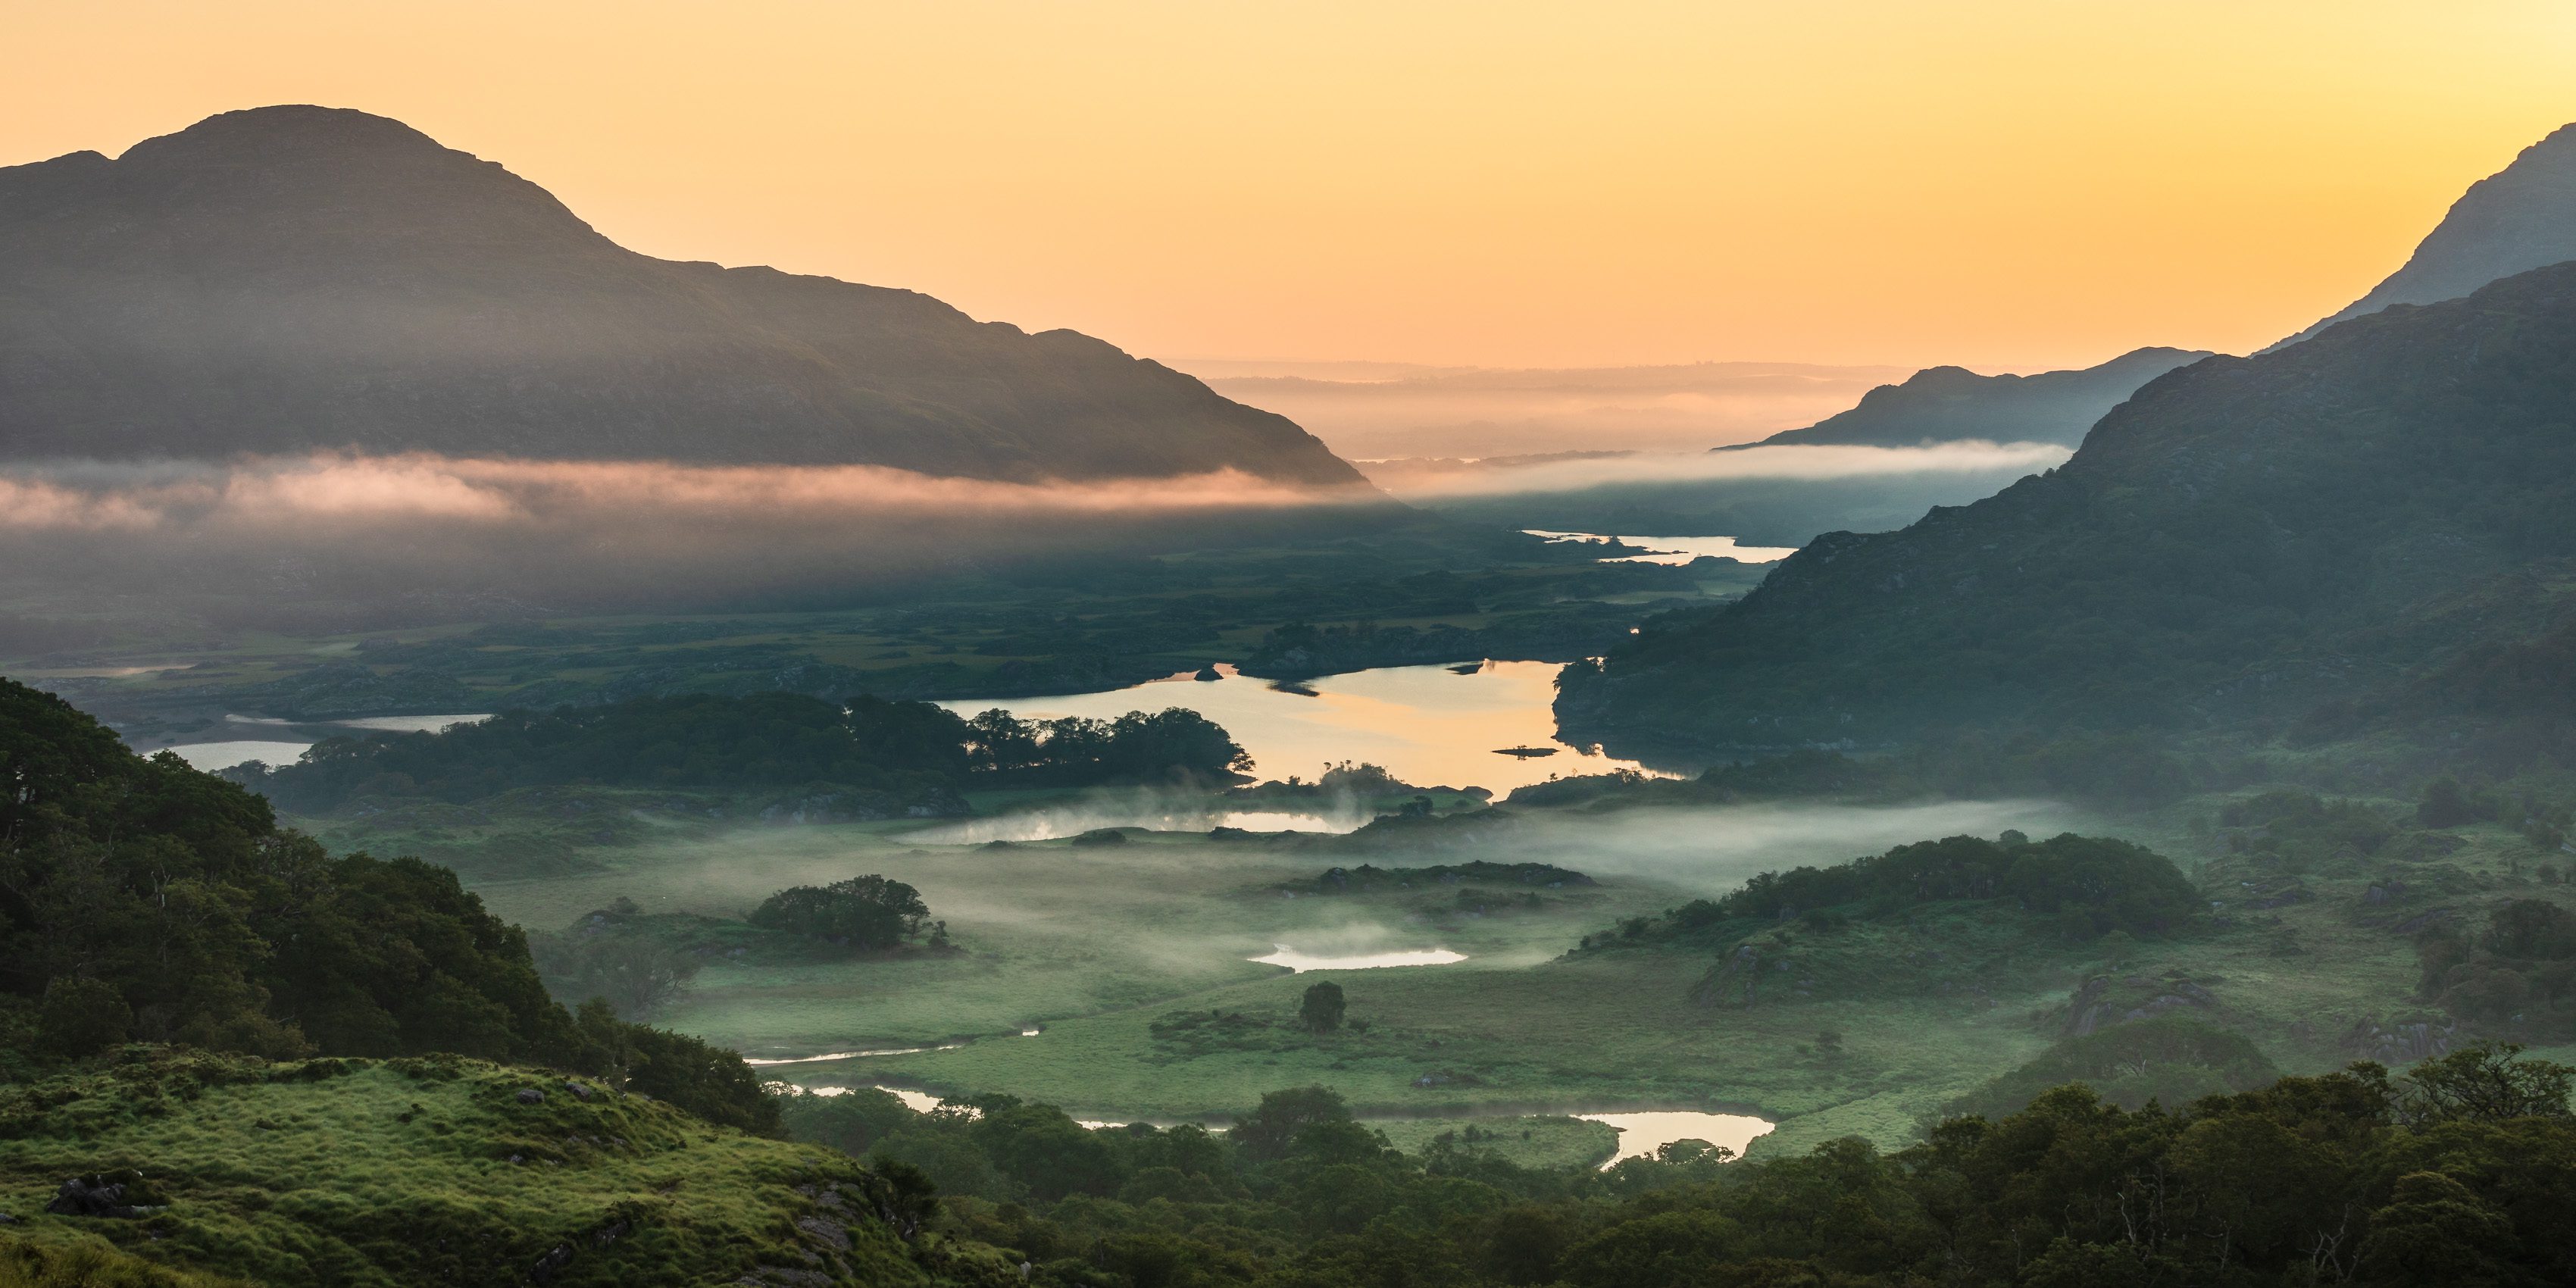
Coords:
1114,980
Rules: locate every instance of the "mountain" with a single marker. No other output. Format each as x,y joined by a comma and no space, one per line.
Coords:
293,279
2520,218
1948,404
2276,538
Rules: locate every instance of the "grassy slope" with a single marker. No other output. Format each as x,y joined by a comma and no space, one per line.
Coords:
401,1172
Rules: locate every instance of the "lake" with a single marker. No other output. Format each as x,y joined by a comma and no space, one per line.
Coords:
1427,725
226,753
1677,550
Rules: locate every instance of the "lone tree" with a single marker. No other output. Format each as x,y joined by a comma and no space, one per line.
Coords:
1322,1011
865,913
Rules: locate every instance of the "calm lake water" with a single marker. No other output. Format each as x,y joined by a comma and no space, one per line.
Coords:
1677,550
1427,725
276,750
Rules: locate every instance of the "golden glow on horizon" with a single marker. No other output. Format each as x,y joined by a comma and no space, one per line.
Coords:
2009,183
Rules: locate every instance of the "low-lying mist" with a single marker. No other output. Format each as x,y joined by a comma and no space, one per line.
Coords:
1378,410
1576,471
421,535
1767,496
1713,849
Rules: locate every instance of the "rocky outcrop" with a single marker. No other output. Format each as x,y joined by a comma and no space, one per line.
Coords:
2105,1001
2401,1041
120,1195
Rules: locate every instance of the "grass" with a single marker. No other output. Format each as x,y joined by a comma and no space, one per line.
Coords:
1132,960
411,1172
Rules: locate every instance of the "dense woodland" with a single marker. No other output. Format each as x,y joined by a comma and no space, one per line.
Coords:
905,756
2460,1172
144,901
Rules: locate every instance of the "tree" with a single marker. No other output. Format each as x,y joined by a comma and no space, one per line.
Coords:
81,1017
1265,1133
2486,1082
1321,1012
865,913
635,975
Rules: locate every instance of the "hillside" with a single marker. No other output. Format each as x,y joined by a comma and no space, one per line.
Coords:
294,279
2246,540
1948,404
442,1171
2520,218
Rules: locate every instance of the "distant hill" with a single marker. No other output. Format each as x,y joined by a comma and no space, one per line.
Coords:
2246,540
290,279
1949,404
2520,218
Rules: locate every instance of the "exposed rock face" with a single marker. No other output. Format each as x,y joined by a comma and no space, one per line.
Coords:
117,1195
293,279
2520,218
1953,404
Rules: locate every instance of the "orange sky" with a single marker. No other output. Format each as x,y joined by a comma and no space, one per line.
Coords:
2002,184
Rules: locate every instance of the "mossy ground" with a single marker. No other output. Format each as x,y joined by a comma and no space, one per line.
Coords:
435,1171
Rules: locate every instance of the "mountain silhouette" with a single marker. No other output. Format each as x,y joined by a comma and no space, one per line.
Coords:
297,279
2343,521
2520,218
1953,404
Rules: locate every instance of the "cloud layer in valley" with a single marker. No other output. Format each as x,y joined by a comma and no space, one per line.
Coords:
586,535
1573,471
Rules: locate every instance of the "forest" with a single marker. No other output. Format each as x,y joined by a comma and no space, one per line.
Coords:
2462,1171
913,755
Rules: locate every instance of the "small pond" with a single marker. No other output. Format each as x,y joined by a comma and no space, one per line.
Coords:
1641,1134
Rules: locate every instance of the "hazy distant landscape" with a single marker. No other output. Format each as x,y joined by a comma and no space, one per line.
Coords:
533,762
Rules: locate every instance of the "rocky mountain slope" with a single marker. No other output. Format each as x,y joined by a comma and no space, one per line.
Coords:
2245,540
291,279
2520,218
1949,404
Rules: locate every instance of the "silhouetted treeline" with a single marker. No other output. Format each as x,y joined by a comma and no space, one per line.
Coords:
913,753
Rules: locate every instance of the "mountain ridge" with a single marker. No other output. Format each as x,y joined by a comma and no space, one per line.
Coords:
1951,404
2245,540
293,279
2519,218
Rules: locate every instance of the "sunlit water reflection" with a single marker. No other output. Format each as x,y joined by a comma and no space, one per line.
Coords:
1677,550
1427,725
